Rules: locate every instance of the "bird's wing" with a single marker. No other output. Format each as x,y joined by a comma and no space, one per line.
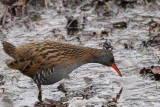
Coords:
44,61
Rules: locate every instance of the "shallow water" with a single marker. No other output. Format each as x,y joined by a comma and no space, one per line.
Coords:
106,84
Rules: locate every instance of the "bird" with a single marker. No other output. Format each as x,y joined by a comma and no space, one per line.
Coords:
48,62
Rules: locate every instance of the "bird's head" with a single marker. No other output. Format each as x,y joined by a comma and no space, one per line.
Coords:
106,58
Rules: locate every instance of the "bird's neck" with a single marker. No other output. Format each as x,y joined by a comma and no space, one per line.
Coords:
95,56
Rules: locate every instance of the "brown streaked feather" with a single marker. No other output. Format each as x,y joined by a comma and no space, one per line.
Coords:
45,54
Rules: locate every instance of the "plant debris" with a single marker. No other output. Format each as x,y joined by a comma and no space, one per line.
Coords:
121,25
72,25
154,41
1,80
50,103
107,45
153,72
61,87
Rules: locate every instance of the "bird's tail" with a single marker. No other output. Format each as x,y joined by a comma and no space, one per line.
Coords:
9,48
17,64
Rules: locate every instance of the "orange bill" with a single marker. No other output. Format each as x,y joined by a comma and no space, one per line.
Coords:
116,69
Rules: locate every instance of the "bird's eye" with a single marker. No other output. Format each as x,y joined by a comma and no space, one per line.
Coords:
112,60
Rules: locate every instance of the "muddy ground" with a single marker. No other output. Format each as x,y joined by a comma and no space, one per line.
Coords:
131,29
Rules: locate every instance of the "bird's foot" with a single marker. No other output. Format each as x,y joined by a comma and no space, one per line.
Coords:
40,93
40,97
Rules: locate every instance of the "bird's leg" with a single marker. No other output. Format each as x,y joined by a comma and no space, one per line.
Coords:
156,85
40,93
